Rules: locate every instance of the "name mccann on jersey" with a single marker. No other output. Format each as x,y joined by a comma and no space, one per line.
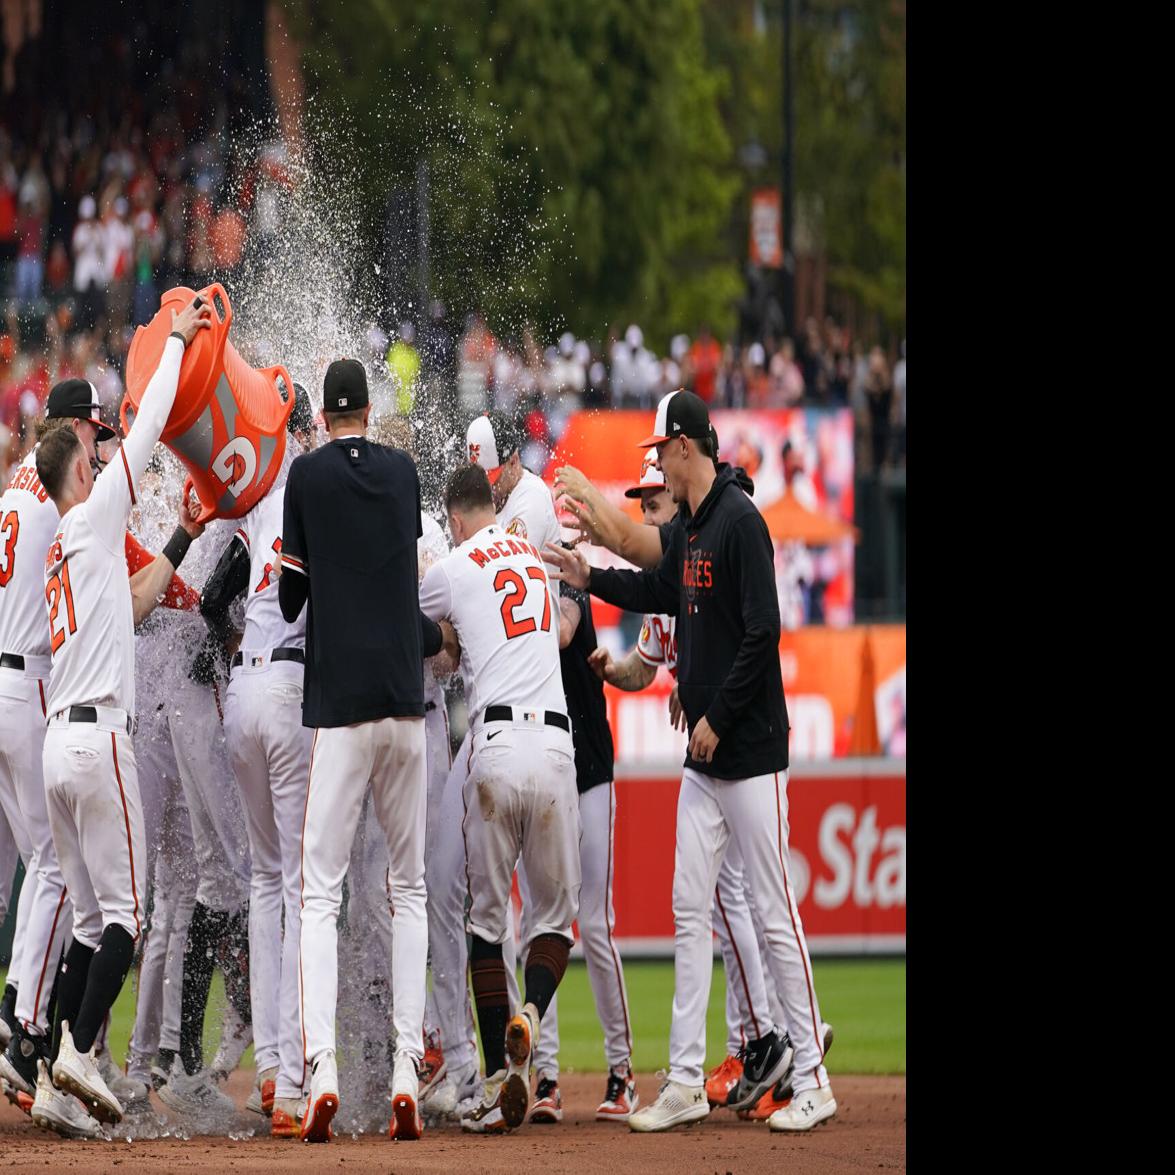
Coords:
500,549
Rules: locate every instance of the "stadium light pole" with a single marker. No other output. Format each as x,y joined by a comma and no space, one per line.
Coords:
788,272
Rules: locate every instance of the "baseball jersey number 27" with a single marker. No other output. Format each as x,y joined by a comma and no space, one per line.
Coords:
509,578
57,587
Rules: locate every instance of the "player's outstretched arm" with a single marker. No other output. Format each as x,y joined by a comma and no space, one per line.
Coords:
631,673
149,586
229,578
115,487
604,524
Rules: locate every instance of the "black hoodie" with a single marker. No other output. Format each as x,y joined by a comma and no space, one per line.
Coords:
717,575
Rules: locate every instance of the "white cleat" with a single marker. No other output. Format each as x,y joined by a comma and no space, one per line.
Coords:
324,1099
444,1098
196,1096
486,1116
61,1112
124,1087
77,1073
676,1105
806,1109
406,1123
522,1034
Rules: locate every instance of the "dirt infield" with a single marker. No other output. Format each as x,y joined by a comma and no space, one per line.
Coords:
868,1132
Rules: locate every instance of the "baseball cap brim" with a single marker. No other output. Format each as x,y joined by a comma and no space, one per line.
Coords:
649,442
494,474
105,432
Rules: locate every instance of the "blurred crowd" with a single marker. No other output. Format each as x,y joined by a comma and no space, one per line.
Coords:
121,191
827,369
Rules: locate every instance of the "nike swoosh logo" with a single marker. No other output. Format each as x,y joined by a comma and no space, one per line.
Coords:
494,735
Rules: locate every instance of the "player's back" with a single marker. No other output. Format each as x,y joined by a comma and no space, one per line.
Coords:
506,620
28,523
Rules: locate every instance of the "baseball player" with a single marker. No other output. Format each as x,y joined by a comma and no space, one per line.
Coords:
524,509
88,755
749,1012
520,797
592,737
349,531
28,522
270,753
717,576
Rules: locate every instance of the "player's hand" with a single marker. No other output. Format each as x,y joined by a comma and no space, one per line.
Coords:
570,566
189,515
601,663
703,742
676,713
586,519
192,319
450,646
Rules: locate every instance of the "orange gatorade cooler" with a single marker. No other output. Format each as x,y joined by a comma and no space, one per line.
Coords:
228,425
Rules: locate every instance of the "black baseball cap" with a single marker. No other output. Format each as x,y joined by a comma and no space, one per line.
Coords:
77,398
345,387
301,418
679,414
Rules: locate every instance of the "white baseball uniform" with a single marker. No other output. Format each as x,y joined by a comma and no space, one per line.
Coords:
9,855
520,797
529,513
270,753
28,522
91,775
750,1001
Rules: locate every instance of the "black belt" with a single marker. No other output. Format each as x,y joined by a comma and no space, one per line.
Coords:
11,661
290,654
429,706
506,714
89,714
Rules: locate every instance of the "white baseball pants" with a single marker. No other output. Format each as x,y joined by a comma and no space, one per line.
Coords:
46,911
92,793
390,755
597,921
521,803
9,855
753,813
168,836
746,987
269,749
447,890
214,803
448,949
439,759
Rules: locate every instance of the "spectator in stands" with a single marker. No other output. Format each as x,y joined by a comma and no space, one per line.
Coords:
787,381
30,262
118,241
899,407
705,357
475,365
879,398
403,362
89,265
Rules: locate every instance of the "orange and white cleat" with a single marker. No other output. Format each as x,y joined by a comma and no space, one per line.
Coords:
324,1099
722,1079
286,1120
406,1125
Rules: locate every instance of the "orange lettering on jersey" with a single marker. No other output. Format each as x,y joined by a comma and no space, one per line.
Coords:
479,557
55,554
515,549
504,549
494,553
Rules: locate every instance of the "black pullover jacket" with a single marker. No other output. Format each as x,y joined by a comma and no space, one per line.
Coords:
717,575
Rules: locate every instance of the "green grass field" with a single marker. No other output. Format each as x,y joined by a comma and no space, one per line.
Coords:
864,1001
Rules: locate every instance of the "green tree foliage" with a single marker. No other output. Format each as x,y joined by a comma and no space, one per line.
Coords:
849,95
580,169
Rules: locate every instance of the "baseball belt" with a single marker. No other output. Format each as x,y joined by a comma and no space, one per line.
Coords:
506,714
11,661
90,714
288,654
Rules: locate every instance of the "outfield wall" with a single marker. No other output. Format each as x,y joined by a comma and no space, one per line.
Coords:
848,854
